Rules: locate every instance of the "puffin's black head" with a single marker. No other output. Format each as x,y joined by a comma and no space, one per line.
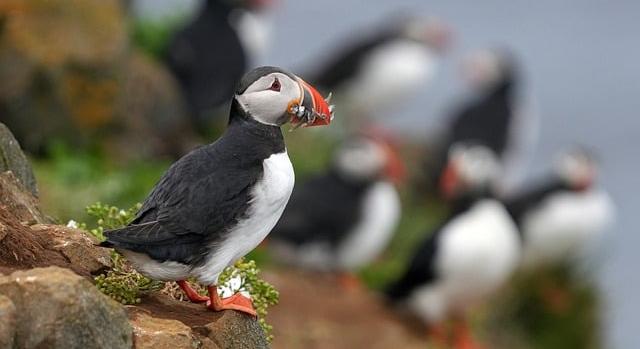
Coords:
273,96
471,167
577,167
490,69
430,31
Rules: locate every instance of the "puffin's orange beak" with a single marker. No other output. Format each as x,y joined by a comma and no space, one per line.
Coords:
448,181
394,169
311,109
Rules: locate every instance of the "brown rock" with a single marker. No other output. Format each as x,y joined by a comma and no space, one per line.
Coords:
77,246
59,309
223,330
233,330
155,333
20,202
12,159
7,322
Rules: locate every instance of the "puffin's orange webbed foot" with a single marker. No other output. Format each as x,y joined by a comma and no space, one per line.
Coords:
236,302
193,296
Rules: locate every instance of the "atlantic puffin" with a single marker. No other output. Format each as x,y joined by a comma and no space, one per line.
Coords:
219,201
341,220
562,215
379,70
212,52
493,114
471,254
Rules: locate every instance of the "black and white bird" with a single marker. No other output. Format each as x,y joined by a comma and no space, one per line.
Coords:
493,115
560,217
378,71
212,52
221,200
469,256
343,219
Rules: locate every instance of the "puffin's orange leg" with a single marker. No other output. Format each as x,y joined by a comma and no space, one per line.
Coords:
236,302
191,293
463,338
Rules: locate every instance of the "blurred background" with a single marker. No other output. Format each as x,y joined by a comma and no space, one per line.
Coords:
92,96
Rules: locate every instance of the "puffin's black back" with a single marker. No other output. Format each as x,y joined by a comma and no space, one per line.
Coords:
525,201
207,58
347,63
202,196
323,209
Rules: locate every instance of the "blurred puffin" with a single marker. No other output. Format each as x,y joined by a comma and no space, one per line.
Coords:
561,216
218,202
490,116
469,256
211,53
343,219
375,72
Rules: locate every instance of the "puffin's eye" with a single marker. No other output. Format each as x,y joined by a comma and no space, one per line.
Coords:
275,86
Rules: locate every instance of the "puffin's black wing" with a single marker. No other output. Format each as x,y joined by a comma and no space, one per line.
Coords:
207,58
196,201
348,62
523,202
324,209
421,269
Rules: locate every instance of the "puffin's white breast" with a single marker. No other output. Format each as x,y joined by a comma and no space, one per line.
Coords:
390,74
379,218
268,199
477,252
564,225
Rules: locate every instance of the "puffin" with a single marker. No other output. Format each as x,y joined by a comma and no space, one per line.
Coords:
491,115
212,52
219,201
377,71
469,256
342,219
562,215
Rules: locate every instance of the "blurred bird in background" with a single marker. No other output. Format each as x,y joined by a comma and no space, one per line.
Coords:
214,50
342,219
560,216
375,72
492,115
471,254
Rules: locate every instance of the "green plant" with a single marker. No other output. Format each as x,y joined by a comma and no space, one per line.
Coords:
126,285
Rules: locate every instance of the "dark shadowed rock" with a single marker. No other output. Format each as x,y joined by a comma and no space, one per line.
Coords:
13,159
7,322
59,309
234,330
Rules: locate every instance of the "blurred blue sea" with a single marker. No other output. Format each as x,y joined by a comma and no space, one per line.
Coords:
581,60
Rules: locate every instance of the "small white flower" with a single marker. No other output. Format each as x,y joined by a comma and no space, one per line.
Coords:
72,224
122,212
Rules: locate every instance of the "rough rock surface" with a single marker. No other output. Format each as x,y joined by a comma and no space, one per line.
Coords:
23,204
224,330
7,322
156,333
12,159
59,309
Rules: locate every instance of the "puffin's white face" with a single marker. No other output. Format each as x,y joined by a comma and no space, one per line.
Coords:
275,97
267,100
482,69
360,159
470,167
577,168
